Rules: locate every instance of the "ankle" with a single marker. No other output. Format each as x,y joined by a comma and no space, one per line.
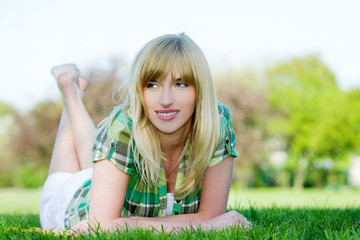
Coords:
71,97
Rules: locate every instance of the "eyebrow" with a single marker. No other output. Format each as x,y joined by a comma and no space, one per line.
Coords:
177,80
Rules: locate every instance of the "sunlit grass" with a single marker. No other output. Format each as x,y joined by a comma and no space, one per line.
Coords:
275,214
19,200
268,223
282,197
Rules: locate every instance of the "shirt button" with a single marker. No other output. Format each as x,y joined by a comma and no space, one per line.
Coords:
178,201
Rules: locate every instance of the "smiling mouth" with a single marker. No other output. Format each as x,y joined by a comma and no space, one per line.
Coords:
167,114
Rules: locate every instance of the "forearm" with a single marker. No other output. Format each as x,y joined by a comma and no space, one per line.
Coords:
176,223
177,218
171,223
168,224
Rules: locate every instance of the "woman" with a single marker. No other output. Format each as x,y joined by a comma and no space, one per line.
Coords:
163,159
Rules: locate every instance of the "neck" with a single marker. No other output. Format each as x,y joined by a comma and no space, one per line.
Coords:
170,144
173,144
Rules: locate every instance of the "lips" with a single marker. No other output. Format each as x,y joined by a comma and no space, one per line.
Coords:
167,114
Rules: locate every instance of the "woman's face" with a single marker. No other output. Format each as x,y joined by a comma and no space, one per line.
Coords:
170,103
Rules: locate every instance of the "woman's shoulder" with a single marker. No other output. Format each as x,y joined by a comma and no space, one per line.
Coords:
117,123
224,112
113,140
120,118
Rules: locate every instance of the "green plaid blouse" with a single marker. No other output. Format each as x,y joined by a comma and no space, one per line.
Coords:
113,143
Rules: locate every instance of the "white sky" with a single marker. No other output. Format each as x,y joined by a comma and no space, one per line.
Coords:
36,34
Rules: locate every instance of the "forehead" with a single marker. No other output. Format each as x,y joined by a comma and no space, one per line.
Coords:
158,70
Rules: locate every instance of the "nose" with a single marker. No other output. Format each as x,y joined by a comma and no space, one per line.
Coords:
166,98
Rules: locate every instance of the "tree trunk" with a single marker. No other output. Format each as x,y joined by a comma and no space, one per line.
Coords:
300,173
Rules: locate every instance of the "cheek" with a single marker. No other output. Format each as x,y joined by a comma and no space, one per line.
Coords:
147,97
192,98
146,102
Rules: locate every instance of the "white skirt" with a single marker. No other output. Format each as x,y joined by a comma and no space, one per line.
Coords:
57,192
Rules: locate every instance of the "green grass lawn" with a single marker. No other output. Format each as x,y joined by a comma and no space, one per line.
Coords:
268,223
275,214
282,197
20,201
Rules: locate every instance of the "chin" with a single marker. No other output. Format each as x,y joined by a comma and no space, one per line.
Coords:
167,131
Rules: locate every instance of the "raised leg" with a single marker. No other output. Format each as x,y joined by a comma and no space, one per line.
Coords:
64,157
72,149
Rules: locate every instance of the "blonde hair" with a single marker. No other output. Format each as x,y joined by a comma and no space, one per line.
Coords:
155,60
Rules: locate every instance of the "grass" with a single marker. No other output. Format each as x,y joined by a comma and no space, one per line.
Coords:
16,200
285,197
268,223
275,214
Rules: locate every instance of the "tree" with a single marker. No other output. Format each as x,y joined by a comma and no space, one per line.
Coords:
246,100
8,118
312,116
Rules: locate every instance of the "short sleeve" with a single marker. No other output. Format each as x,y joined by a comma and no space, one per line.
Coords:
226,145
113,143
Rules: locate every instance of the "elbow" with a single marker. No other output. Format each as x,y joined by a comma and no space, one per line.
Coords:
207,215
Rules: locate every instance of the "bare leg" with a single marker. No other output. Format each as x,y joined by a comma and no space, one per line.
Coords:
64,158
72,150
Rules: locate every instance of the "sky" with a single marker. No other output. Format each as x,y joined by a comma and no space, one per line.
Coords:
234,34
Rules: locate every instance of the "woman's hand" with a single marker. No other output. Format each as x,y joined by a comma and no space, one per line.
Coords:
80,228
229,219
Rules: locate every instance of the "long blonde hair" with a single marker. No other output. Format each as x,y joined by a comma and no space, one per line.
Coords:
155,60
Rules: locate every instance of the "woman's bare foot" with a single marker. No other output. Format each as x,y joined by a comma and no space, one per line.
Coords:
69,81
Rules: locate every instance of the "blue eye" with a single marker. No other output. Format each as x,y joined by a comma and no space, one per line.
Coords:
180,84
151,85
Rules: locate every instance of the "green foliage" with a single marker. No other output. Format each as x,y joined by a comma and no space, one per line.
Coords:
35,138
264,176
268,223
29,176
8,122
312,116
6,109
297,93
6,180
302,74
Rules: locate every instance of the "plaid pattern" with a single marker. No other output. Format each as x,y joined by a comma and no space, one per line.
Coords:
114,143
81,201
